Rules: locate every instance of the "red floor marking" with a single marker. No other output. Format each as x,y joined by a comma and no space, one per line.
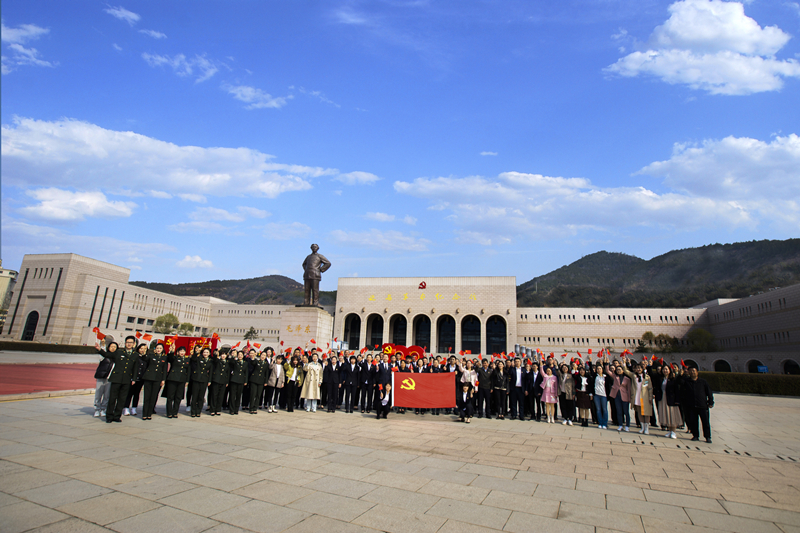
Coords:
21,379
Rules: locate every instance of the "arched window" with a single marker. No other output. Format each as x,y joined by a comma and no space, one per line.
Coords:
496,335
722,365
471,334
752,366
791,367
352,331
421,332
30,326
397,330
446,334
374,330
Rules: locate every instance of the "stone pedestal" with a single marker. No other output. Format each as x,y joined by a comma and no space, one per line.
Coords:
302,323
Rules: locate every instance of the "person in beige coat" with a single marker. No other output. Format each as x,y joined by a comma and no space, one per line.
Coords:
277,378
312,383
642,397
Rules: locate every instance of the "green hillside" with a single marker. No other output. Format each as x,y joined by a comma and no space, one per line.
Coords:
680,278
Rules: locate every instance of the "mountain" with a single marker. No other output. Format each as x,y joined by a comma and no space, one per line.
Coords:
680,278
264,290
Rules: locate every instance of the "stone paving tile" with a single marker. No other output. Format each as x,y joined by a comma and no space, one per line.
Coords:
514,486
261,517
24,516
531,505
70,525
734,524
657,525
480,515
620,521
454,526
291,476
204,501
398,481
580,497
646,508
108,508
412,501
163,519
332,506
682,500
273,492
222,480
111,476
457,492
520,522
395,520
791,518
344,470
28,479
59,494
342,486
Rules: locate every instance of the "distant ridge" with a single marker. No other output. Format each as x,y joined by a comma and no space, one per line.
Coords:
680,278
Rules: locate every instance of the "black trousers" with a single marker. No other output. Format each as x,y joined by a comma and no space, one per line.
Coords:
333,396
189,393
467,411
376,397
517,397
174,395
215,397
234,396
291,395
383,410
692,415
225,397
151,390
500,402
350,396
256,390
133,394
365,396
272,394
198,397
567,407
484,402
117,394
246,397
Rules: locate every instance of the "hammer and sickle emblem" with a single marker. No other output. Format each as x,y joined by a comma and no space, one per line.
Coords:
408,384
423,285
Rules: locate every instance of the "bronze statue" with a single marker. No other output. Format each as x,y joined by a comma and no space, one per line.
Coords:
313,267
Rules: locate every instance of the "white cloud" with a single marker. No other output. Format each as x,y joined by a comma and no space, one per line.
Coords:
199,226
20,238
154,34
191,197
160,194
760,176
19,55
381,240
256,98
67,206
71,153
488,153
357,178
380,217
239,215
194,261
284,231
117,47
319,95
713,46
183,66
411,221
123,14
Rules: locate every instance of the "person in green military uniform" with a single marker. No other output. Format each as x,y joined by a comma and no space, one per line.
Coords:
154,377
239,373
179,369
126,366
259,370
220,377
201,379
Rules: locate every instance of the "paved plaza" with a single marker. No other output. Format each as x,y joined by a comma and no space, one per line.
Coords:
61,470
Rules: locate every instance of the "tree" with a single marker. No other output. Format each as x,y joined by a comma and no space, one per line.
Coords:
251,334
648,337
187,328
641,346
166,323
701,340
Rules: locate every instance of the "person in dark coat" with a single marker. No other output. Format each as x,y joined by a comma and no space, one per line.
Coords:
136,389
220,377
239,370
332,379
384,404
484,389
194,355
178,375
154,377
126,368
366,384
500,389
102,386
464,403
697,399
201,377
350,379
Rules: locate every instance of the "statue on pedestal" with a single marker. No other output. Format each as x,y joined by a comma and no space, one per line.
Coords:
313,267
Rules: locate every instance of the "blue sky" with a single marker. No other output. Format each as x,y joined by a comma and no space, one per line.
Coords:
215,140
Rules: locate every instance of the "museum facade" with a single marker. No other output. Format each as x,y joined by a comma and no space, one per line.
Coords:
61,298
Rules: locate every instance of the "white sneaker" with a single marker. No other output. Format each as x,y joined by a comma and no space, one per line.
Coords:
102,413
308,409
564,423
641,430
646,430
627,428
569,422
133,411
188,408
619,428
126,412
97,414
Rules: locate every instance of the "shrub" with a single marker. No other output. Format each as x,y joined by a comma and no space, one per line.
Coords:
739,382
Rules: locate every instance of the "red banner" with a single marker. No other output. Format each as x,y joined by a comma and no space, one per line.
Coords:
424,391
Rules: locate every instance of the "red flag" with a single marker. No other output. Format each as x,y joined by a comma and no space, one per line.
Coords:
376,346
335,339
424,391
96,329
147,337
100,336
683,364
590,351
237,345
281,343
312,341
138,335
579,354
258,346
461,352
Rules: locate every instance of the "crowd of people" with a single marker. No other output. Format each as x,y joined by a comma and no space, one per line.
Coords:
540,388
